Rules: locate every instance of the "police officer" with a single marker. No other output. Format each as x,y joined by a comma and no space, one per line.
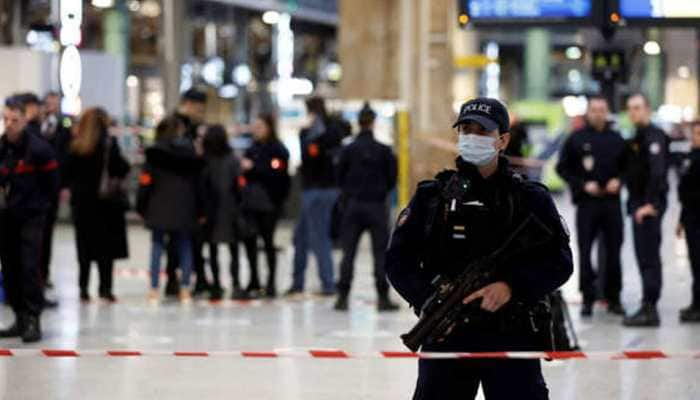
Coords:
689,195
592,163
366,176
426,243
647,185
28,182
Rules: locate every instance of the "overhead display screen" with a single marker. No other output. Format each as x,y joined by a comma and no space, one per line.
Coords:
480,10
651,9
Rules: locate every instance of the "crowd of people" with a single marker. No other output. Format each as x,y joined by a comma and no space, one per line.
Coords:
194,192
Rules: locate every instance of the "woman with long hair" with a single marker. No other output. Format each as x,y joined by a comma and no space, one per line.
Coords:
94,163
220,180
170,200
267,184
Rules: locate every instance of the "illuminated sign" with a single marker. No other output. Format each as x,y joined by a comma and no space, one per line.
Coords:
514,10
648,9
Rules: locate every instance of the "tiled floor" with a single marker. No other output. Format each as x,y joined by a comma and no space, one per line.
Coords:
311,322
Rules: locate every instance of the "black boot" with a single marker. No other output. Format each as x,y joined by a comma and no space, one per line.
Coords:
384,304
270,291
239,294
15,330
647,316
690,313
172,288
615,307
201,287
32,330
586,309
341,304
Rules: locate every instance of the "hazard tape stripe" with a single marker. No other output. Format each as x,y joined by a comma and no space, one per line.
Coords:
341,354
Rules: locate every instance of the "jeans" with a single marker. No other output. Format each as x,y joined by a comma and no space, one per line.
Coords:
312,232
183,243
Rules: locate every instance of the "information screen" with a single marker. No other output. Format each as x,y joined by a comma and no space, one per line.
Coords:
651,9
528,9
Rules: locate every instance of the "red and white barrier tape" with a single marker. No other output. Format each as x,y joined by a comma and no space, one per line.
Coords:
340,354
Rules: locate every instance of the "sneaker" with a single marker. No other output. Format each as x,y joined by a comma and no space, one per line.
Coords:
216,293
293,293
326,293
270,292
153,296
201,287
239,294
647,316
342,303
185,296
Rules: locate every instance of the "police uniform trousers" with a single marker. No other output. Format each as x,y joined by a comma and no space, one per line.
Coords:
647,247
360,216
20,253
500,380
692,237
593,218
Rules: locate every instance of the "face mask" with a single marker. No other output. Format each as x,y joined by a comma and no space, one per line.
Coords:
476,149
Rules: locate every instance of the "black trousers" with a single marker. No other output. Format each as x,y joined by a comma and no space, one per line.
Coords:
593,218
358,217
266,224
214,263
47,241
460,379
647,247
105,268
692,237
20,254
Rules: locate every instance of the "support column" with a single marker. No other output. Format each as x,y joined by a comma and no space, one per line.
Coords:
537,64
116,22
681,71
173,39
653,81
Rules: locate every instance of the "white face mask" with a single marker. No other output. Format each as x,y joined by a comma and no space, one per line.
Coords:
476,149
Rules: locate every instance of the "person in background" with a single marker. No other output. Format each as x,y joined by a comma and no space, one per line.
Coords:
647,167
592,163
689,195
28,182
32,107
221,204
265,165
56,128
320,141
98,217
190,112
367,173
172,171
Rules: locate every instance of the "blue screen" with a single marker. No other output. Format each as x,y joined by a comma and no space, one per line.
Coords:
660,8
513,9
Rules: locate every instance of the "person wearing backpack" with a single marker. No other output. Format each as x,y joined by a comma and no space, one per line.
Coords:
320,142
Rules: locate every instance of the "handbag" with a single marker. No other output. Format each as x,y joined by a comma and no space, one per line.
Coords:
111,189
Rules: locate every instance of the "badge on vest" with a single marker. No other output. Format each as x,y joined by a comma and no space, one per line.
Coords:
588,163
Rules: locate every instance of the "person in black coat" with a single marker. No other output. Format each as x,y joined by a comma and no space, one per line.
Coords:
100,224
172,171
689,195
367,173
266,186
220,178
28,182
56,128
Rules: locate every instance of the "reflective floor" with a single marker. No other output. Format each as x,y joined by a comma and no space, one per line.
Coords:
135,324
